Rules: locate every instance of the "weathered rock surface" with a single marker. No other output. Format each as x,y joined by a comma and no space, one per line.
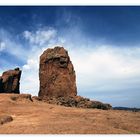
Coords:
36,98
56,74
10,81
0,84
21,97
5,118
78,101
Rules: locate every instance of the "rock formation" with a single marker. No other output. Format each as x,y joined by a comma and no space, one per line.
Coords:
0,84
58,83
56,74
10,81
79,102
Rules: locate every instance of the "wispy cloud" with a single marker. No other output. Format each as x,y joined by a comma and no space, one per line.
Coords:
41,36
12,46
107,68
2,46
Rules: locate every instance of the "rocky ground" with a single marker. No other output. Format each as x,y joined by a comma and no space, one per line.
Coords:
20,114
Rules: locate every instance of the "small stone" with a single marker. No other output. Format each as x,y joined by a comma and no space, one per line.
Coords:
36,98
5,118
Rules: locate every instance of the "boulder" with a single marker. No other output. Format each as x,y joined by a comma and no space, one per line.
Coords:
5,119
10,81
56,74
0,84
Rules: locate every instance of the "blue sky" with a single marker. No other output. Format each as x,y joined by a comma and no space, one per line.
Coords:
103,43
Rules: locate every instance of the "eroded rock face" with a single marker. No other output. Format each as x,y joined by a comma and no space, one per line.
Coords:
0,84
10,81
56,74
79,102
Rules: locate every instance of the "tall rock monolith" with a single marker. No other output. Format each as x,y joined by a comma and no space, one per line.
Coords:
56,74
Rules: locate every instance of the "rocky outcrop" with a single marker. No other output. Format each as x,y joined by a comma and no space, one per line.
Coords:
78,101
0,84
56,74
21,97
10,81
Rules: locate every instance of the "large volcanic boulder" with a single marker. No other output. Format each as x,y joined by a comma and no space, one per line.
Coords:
0,84
56,74
9,81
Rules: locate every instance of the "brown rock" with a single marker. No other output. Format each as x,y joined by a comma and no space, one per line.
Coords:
77,101
5,118
36,98
21,97
0,84
9,81
56,74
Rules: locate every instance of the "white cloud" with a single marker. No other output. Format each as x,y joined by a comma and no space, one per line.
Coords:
2,46
9,45
106,68
30,64
29,78
41,36
30,73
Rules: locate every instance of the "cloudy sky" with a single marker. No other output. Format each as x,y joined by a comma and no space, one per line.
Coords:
103,43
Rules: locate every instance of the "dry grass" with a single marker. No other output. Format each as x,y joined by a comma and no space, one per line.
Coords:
42,118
